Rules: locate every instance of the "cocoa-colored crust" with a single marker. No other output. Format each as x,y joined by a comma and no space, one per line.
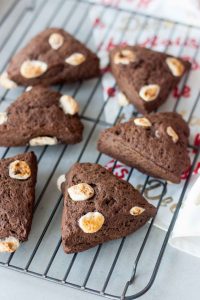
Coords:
17,199
141,147
113,198
37,113
149,68
58,71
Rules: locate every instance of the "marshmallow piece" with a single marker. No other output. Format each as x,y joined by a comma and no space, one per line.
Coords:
29,88
9,244
81,192
61,179
143,122
91,222
122,100
136,210
19,169
6,82
175,65
172,134
125,57
33,68
56,40
149,92
43,140
69,105
3,117
75,59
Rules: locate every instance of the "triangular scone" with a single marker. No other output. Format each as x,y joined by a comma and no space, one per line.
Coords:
144,76
17,196
41,116
154,144
99,207
53,56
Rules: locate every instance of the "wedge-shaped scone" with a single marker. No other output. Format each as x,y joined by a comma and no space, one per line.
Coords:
154,144
99,207
41,117
146,77
53,56
17,196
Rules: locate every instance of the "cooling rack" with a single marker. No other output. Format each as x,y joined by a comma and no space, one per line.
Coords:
118,269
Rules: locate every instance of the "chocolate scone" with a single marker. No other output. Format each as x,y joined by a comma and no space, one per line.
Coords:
146,77
53,56
17,196
99,207
154,144
39,117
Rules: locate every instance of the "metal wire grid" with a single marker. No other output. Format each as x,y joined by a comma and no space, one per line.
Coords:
15,10
73,16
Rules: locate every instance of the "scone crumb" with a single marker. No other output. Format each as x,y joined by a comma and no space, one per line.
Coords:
81,192
43,140
172,134
143,122
56,40
75,59
33,68
149,92
91,222
3,117
175,65
6,82
19,169
9,244
136,210
61,179
69,105
125,57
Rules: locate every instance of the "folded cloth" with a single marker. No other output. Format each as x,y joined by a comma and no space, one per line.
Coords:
186,11
186,233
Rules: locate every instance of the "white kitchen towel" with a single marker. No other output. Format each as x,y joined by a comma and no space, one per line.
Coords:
186,233
112,27
186,11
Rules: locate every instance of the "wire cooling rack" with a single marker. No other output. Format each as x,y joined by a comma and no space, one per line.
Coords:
112,270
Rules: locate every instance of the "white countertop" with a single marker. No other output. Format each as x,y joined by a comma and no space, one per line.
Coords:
178,279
